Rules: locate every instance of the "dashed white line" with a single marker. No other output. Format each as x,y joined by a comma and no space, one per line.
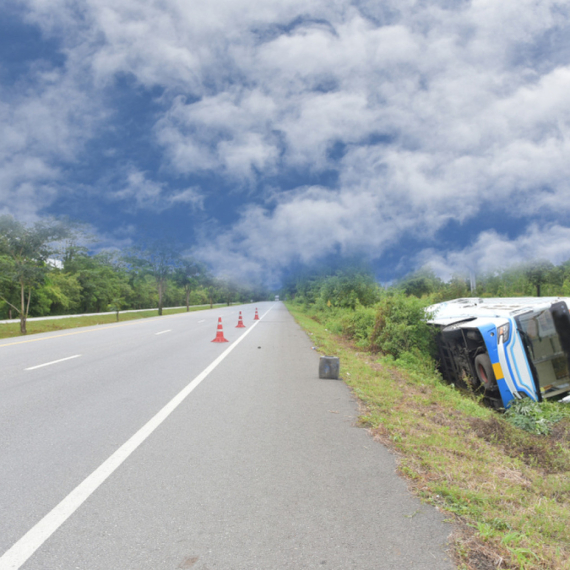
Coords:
202,321
16,556
52,362
162,332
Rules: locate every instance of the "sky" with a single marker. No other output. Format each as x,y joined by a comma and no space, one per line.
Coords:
261,135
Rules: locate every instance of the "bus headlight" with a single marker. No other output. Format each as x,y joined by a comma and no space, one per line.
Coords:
504,332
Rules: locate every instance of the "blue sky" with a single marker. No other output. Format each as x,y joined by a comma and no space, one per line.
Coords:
263,134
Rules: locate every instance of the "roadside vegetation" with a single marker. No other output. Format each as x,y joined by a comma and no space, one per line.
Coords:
47,269
502,478
10,330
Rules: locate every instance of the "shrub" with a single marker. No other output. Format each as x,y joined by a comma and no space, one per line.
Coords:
349,290
537,418
400,326
359,324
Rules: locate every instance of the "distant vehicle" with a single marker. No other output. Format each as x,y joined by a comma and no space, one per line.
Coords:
277,297
512,348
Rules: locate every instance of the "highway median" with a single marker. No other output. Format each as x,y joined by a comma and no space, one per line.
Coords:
12,329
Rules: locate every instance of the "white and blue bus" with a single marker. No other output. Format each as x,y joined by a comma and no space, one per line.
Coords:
511,348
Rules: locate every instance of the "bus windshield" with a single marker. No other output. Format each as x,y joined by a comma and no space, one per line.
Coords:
548,350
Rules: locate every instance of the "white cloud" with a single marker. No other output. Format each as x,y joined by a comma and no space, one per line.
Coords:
138,191
493,251
145,193
45,122
190,196
442,110
303,226
228,131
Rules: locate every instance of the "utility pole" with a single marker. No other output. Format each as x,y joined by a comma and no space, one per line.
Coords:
472,281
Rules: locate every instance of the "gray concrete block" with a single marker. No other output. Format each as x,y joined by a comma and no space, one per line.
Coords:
329,367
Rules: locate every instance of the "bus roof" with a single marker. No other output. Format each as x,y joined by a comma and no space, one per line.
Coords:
459,309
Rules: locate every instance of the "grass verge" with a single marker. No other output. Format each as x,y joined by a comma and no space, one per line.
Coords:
506,490
10,330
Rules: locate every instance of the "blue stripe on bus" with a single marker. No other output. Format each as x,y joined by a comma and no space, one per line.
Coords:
489,333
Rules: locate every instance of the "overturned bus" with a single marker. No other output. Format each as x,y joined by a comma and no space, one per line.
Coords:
508,348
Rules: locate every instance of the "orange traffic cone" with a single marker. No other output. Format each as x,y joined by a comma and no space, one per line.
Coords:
220,333
240,324
256,318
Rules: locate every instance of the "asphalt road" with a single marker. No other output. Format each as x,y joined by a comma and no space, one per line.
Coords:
257,465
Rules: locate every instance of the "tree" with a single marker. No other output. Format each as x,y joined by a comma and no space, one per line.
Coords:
422,282
349,289
159,260
9,295
187,275
24,254
101,279
227,290
211,285
539,273
61,293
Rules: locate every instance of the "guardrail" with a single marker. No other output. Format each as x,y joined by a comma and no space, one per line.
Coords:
29,319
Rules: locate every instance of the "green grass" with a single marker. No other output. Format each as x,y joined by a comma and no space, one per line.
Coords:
507,490
10,330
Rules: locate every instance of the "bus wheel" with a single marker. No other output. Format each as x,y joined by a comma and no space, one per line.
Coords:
484,370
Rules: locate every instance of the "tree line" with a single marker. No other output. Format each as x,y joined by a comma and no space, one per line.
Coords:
391,319
354,286
535,278
45,271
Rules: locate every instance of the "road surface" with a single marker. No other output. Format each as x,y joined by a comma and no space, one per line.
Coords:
253,462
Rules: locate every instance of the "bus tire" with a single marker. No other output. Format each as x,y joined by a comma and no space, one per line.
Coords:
484,370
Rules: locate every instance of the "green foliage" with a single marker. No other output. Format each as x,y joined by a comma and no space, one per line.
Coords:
349,290
540,272
457,288
536,417
187,276
358,324
101,279
143,292
199,296
24,253
345,288
45,270
63,291
160,260
421,283
400,326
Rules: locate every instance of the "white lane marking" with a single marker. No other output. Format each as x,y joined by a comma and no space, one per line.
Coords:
202,321
20,552
162,332
53,362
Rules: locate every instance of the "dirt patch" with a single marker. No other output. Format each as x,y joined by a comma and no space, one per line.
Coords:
535,451
561,431
472,553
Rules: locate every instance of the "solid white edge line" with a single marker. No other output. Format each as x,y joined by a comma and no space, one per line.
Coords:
162,332
53,362
24,548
